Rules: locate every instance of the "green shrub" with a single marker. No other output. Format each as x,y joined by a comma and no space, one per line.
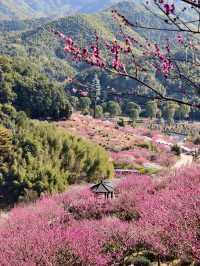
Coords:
141,261
197,140
147,170
145,145
176,150
121,122
185,262
44,159
149,255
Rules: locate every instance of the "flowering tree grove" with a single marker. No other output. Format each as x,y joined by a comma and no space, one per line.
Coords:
135,58
76,228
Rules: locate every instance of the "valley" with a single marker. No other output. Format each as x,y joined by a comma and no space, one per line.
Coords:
99,133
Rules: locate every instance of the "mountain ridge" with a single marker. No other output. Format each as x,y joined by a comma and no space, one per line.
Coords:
41,47
30,9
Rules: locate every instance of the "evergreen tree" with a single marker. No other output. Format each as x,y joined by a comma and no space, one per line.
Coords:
95,93
133,110
169,110
85,104
97,86
99,111
5,148
151,109
113,108
183,111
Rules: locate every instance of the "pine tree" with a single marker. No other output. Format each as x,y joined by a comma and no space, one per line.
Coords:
96,93
5,147
5,141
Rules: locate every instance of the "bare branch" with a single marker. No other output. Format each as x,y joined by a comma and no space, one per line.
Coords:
192,3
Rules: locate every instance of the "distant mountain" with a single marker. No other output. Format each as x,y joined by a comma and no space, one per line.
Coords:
34,40
28,9
34,9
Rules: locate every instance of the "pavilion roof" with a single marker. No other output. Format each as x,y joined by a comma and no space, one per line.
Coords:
103,187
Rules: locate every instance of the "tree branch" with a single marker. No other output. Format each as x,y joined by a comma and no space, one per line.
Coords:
192,3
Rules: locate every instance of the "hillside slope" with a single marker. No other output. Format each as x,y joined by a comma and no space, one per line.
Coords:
36,41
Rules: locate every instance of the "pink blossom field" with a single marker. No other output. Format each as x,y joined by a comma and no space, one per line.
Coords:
76,228
141,156
104,133
124,143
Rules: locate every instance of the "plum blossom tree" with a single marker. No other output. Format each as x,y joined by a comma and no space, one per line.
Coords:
171,216
136,58
75,228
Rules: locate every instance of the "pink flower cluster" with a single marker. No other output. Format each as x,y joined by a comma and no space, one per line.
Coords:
51,232
180,39
166,64
169,9
92,57
140,156
140,131
137,155
116,51
176,230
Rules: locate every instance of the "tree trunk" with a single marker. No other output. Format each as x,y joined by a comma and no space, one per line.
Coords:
159,263
95,105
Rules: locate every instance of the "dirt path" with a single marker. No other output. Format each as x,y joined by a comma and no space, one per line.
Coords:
185,160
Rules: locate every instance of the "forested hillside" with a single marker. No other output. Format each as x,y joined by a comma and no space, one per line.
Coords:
40,45
36,157
36,42
27,90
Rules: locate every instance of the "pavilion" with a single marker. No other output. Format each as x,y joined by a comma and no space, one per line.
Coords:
103,188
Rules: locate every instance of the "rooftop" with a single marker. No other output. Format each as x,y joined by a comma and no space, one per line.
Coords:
103,187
